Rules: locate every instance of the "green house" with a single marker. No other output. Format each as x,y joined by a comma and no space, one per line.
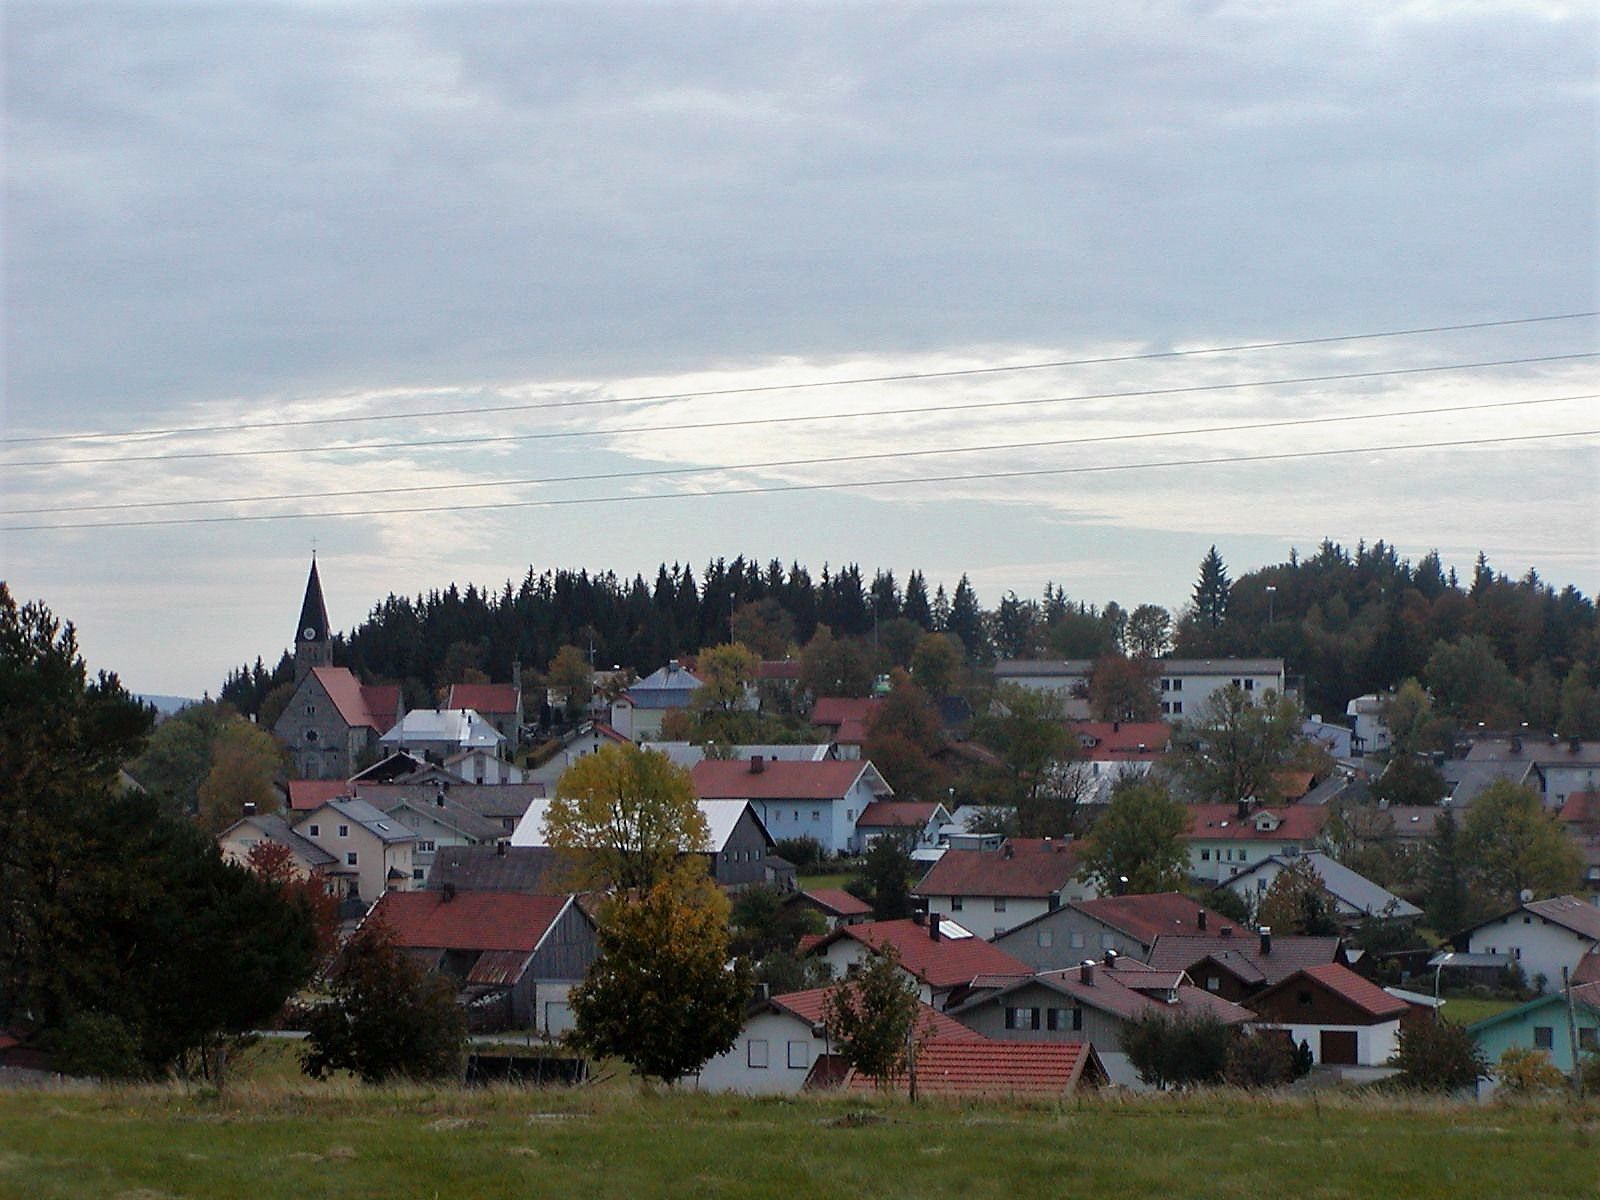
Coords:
1542,1024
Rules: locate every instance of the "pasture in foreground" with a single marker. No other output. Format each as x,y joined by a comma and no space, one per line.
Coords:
267,1140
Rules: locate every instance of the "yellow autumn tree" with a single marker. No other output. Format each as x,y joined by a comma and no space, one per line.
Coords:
629,819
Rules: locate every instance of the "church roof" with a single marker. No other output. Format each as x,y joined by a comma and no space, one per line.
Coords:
313,625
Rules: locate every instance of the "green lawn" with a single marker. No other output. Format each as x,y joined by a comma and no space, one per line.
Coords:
1464,1010
264,1141
829,879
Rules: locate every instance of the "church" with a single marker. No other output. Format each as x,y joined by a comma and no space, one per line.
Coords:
333,722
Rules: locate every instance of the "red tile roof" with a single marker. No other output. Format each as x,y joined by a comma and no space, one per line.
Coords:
811,1006
838,901
468,920
1588,969
374,706
991,1068
1124,741
788,668
485,698
1034,867
1221,822
1124,990
1347,985
308,794
1147,916
734,779
946,963
1294,784
849,718
896,814
1581,808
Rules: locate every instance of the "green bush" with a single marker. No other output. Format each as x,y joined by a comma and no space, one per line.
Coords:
803,852
98,1046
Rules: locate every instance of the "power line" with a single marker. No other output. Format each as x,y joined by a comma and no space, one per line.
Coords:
978,476
916,410
826,460
481,410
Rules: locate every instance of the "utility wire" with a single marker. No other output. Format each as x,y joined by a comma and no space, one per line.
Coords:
916,410
773,489
298,423
826,460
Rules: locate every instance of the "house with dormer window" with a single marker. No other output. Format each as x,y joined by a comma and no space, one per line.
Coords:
1226,839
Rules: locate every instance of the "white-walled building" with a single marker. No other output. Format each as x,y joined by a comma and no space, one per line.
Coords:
1184,683
1540,936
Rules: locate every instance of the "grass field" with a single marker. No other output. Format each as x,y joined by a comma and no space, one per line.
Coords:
828,879
1464,1010
266,1140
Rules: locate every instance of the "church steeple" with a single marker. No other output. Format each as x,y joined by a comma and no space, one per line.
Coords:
313,646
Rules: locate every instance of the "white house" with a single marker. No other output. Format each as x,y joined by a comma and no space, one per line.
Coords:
1345,1020
991,891
373,847
1184,683
441,733
782,1040
1540,936
636,714
820,800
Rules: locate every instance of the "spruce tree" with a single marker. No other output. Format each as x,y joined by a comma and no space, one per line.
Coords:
1211,590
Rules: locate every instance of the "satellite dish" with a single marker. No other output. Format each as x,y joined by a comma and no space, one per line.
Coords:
1525,895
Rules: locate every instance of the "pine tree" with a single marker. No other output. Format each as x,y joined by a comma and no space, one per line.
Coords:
1211,590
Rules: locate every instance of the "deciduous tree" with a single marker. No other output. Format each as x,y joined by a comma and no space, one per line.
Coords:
628,817
1139,838
1123,689
1233,749
1296,902
1511,843
662,995
876,1019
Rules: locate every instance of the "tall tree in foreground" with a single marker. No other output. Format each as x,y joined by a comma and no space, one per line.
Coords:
662,995
875,1018
388,1017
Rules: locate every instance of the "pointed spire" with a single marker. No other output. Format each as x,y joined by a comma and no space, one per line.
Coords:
313,647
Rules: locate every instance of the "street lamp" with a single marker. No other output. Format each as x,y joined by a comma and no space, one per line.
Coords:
1272,596
1438,969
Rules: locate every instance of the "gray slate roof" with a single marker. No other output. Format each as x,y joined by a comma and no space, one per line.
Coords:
536,870
373,820
1341,883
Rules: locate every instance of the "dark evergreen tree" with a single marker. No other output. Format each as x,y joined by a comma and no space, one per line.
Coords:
1211,590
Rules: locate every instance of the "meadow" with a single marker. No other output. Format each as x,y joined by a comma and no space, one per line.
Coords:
273,1138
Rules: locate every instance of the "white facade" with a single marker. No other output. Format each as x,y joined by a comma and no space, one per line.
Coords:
774,1054
1540,947
1375,1044
831,822
1371,732
1184,683
989,916
847,954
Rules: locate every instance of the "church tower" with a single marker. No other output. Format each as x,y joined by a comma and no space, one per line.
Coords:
313,645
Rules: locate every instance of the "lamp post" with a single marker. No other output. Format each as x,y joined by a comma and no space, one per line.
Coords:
1438,969
1272,596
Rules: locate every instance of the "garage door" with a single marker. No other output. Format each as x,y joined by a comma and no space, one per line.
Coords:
1339,1048
557,1017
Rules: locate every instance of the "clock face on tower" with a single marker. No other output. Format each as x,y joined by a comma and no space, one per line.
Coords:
308,634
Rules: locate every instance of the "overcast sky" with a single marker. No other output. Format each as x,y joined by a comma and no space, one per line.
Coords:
219,216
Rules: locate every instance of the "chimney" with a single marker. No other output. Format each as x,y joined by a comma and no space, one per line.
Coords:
918,917
758,764
500,848
448,891
1111,959
1116,727
516,674
1200,920
1516,744
438,797
1266,940
1244,809
933,926
1008,851
249,808
1086,972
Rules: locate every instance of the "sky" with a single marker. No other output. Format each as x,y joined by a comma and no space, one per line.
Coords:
589,272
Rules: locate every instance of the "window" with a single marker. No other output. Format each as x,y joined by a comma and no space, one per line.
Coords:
311,735
311,710
755,1053
418,874
1045,939
1075,940
1052,1019
1213,984
1177,685
1589,1039
816,814
1077,1020
956,903
350,859
1166,685
1304,998
1108,941
425,846
999,904
1544,1037
1177,708
849,814
799,1055
1022,1018
314,831
1205,856
344,831
1249,685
